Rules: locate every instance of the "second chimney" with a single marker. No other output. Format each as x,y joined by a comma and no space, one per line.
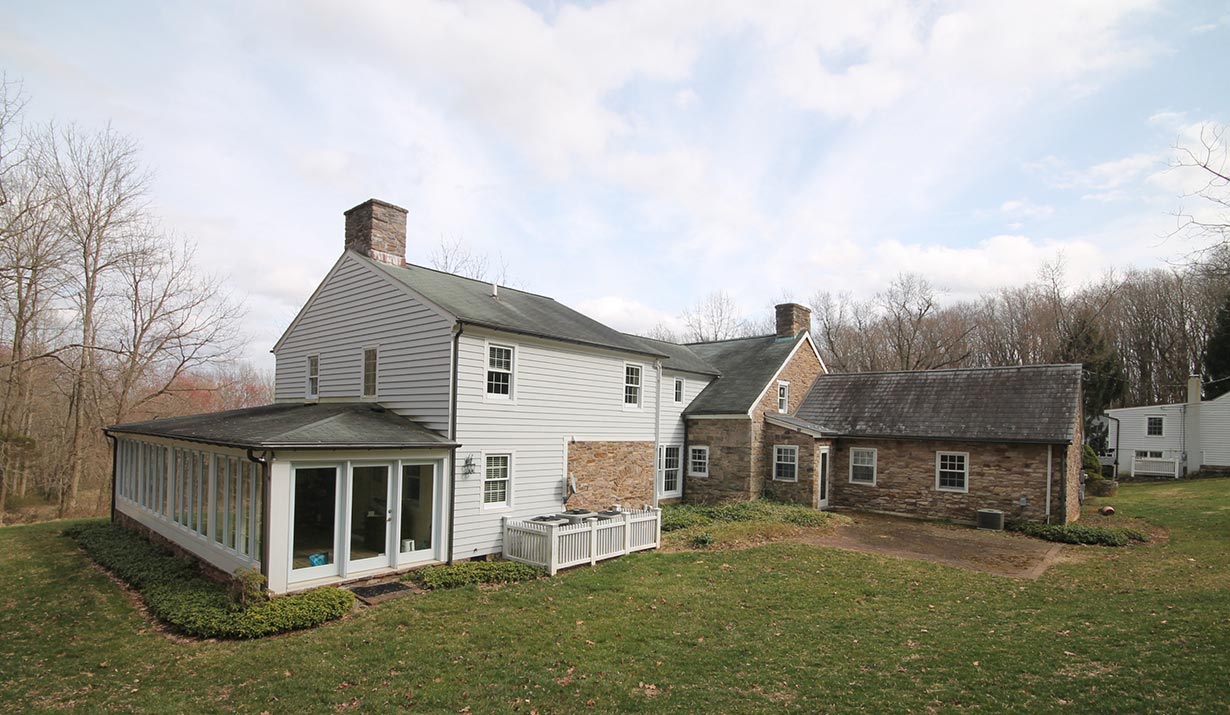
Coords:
377,229
792,319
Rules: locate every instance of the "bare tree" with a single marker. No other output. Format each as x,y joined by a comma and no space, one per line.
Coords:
100,187
455,257
663,332
1210,161
714,317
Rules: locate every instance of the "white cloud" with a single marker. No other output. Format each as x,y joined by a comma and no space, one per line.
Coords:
627,314
1025,209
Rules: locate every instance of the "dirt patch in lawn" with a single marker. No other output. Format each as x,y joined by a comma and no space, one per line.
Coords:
996,552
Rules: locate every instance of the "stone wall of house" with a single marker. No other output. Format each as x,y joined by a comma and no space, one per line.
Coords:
804,490
801,371
999,475
610,473
730,461
1072,468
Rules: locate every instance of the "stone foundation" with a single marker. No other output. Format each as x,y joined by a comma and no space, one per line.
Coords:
610,473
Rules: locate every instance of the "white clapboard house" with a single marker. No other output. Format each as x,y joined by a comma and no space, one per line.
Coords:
1171,440
415,410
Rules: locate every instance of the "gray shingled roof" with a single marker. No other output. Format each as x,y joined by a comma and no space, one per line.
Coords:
294,426
1032,403
678,357
515,311
746,364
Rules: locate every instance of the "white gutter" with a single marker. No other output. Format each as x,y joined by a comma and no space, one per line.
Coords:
1049,461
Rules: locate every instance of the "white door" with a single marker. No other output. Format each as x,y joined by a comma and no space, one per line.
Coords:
314,517
370,515
822,477
670,471
418,512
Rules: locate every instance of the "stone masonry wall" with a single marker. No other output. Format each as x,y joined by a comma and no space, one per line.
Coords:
800,372
999,475
610,473
1072,468
803,491
730,461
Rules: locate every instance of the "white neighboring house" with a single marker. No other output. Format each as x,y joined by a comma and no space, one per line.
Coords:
1171,440
415,409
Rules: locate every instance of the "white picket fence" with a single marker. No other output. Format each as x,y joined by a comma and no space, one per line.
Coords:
1158,467
556,547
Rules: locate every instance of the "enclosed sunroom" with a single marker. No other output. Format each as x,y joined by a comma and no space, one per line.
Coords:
308,494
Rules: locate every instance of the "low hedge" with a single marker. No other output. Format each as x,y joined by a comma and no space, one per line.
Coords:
176,592
1078,533
466,573
683,516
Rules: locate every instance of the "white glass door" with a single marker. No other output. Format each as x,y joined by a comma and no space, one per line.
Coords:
370,517
418,514
314,520
822,481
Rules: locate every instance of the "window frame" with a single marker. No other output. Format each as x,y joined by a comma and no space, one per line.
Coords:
308,393
678,390
777,462
639,386
964,489
507,479
875,466
363,394
704,449
783,397
1161,425
663,492
488,345
1148,454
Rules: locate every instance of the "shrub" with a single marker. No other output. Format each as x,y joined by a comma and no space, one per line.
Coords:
1078,533
682,516
700,541
1090,463
248,588
685,516
176,592
465,573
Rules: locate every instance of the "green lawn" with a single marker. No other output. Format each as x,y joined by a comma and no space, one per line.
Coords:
784,627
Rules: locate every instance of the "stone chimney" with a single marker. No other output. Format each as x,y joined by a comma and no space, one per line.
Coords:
792,319
377,229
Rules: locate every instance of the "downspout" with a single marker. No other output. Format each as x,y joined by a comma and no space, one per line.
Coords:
267,482
1049,461
657,434
685,459
452,436
1116,462
1063,485
115,446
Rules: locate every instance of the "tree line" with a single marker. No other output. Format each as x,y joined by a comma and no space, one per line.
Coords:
105,316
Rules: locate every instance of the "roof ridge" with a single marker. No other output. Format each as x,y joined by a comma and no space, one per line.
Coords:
979,368
464,278
732,340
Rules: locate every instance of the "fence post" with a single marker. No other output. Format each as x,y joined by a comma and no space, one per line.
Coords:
657,528
593,540
552,549
627,532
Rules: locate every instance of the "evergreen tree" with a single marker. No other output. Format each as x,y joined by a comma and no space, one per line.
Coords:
1217,356
1102,380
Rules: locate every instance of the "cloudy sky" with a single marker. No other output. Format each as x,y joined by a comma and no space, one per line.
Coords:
627,158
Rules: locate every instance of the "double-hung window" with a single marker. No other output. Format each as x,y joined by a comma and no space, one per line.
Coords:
632,385
499,371
668,461
863,466
698,461
313,376
678,390
783,397
370,357
496,478
785,463
952,471
1155,427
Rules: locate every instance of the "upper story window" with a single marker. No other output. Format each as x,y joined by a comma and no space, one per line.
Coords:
785,463
952,471
370,358
499,370
1155,426
863,466
783,397
313,376
632,385
678,390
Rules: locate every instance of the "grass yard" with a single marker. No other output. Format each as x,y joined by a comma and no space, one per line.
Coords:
778,628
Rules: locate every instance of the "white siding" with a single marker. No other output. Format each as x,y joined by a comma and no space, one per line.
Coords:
672,412
560,392
1215,432
1132,436
356,308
